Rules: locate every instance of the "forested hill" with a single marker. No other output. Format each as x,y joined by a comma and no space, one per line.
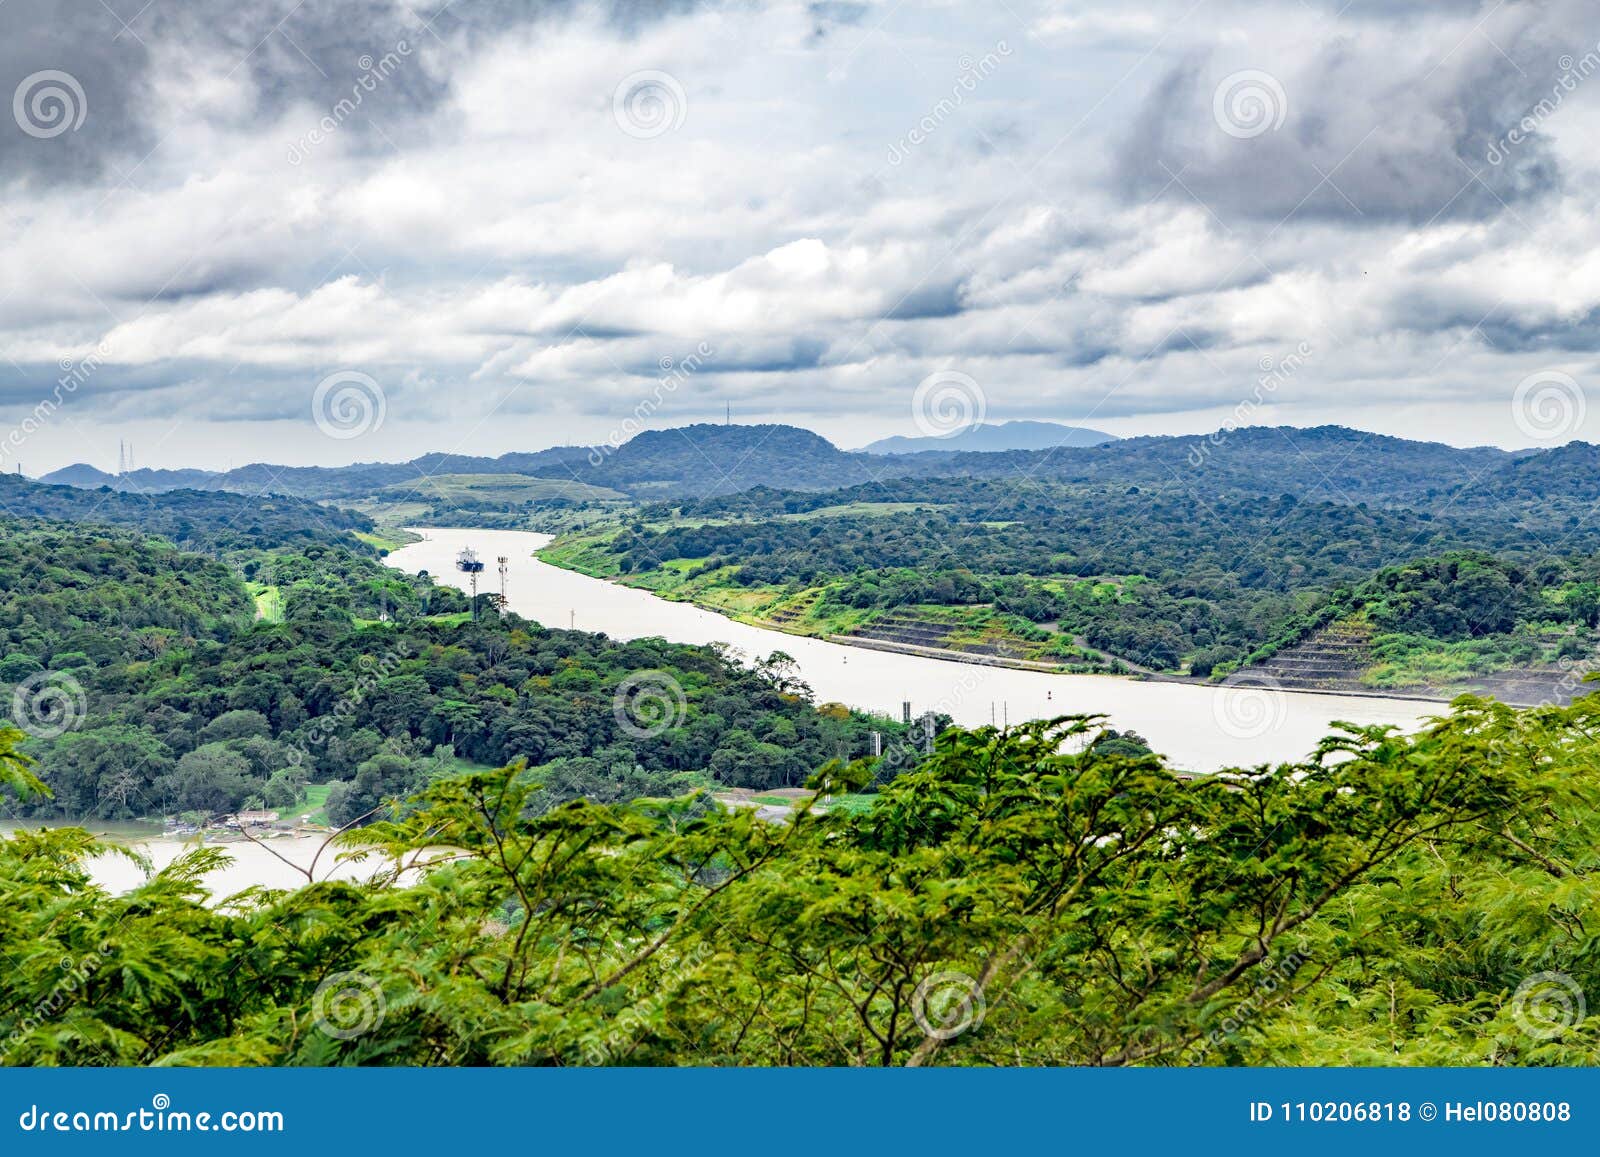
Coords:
684,461
701,461
151,683
1329,462
204,521
75,599
1324,463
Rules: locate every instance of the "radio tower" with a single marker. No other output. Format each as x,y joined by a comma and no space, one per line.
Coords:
504,605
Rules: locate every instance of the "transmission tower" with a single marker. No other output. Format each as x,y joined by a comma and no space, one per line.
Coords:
504,605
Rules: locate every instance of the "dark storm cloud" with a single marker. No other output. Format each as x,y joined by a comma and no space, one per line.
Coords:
1361,130
928,301
83,40
1560,336
290,51
787,356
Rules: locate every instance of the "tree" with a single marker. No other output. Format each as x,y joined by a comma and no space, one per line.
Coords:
236,725
212,778
107,772
385,777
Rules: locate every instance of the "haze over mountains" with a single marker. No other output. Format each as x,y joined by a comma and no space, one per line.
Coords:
984,437
1331,462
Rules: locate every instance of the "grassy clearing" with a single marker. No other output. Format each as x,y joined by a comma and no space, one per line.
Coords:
499,489
315,808
853,804
387,538
443,768
585,551
497,501
269,601
865,510
1407,660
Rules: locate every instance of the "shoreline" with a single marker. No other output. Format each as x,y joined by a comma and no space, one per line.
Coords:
1200,726
970,659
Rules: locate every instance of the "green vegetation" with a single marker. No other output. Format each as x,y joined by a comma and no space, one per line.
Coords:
186,692
1048,894
315,803
1113,579
385,539
1442,621
268,599
1014,898
198,520
76,600
492,501
501,490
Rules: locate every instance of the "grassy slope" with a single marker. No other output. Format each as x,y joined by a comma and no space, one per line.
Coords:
503,488
528,503
387,538
314,807
269,601
805,611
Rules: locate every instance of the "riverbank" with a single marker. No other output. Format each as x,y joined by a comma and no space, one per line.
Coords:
1346,657
1199,727
777,615
966,633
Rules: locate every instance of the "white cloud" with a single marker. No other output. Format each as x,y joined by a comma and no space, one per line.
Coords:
481,233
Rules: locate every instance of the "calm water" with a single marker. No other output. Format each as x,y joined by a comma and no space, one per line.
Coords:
1199,728
251,865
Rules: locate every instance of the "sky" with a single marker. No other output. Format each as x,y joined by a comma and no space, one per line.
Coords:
324,231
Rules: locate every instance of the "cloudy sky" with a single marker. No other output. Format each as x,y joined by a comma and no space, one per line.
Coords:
500,226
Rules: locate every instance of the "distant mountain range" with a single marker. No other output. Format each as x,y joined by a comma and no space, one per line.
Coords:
89,477
988,437
704,461
697,459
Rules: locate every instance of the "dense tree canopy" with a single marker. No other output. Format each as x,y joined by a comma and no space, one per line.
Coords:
177,699
208,521
1163,579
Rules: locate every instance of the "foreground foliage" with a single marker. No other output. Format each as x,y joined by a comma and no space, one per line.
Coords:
1018,897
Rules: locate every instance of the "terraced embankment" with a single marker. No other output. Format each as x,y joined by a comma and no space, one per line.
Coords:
931,634
1339,657
1332,659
